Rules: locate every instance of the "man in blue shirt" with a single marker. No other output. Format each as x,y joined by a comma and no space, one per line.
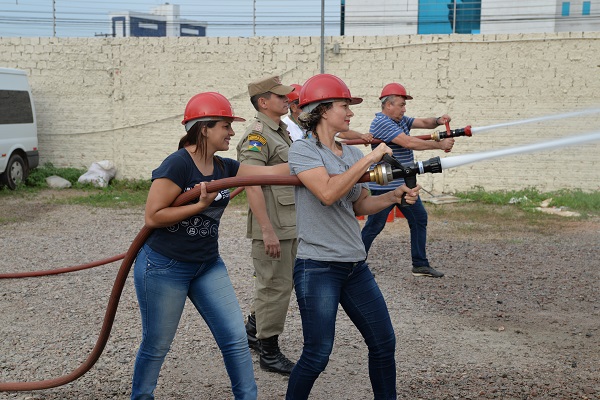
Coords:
393,127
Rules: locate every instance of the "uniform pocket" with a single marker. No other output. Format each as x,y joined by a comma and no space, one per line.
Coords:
286,209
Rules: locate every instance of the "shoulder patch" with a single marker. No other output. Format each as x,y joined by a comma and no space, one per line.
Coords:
256,142
258,127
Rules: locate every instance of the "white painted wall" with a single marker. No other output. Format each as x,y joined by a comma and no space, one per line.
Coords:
122,99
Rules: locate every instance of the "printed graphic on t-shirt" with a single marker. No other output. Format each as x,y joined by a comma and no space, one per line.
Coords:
205,224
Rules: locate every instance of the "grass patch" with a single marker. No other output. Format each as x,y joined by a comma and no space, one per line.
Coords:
109,197
120,193
586,203
240,199
37,176
125,193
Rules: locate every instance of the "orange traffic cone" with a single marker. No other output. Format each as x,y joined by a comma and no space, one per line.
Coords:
390,217
399,213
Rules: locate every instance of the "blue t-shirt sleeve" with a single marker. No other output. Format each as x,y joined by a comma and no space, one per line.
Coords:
175,168
231,166
180,169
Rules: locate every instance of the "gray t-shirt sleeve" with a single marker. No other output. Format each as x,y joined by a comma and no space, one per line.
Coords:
303,156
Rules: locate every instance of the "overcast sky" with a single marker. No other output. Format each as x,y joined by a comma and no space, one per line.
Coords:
87,18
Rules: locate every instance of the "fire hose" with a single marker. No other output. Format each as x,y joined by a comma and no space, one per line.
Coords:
57,271
437,136
468,131
383,173
123,272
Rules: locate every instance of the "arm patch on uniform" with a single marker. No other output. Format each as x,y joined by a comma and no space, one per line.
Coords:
256,142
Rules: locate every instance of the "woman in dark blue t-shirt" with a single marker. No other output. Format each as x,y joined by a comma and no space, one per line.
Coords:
181,258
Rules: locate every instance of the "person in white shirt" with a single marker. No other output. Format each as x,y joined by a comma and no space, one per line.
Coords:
291,120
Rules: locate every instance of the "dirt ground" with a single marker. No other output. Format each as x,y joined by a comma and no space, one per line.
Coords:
517,315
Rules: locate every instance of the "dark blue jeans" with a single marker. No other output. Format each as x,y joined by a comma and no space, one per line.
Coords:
415,215
320,287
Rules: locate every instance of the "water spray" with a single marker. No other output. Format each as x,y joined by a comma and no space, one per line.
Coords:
469,130
536,119
391,169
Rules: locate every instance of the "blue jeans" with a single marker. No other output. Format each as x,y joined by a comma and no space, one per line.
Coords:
415,215
162,286
320,286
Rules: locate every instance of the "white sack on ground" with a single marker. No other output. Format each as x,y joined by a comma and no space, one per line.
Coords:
99,174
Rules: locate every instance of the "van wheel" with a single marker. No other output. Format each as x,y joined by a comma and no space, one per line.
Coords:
16,172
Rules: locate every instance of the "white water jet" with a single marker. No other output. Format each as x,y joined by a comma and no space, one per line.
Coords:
537,119
456,161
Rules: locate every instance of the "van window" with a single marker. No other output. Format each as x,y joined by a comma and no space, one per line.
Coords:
15,107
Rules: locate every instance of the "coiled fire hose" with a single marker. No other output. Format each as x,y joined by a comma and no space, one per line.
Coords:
130,255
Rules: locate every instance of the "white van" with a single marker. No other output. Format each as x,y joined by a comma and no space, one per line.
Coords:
18,128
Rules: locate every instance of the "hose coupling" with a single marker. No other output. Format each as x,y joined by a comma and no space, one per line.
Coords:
382,174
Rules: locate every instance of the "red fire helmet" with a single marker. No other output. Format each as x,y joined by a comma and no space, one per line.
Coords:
208,104
292,96
325,87
394,89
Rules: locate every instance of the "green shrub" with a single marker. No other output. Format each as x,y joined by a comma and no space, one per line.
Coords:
37,176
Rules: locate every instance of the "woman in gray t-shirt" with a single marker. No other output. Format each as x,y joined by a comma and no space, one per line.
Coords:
330,267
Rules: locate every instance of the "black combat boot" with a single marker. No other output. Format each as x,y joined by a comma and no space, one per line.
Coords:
271,358
253,342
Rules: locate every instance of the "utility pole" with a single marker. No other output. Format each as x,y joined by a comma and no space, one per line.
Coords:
254,18
53,18
454,19
322,36
342,17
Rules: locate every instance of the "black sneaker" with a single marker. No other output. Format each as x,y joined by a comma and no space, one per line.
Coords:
426,271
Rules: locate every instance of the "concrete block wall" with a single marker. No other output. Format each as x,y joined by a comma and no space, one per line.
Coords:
122,99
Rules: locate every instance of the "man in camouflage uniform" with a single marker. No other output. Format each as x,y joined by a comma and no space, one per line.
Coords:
271,223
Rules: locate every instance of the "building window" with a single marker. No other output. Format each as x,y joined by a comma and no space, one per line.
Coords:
586,8
566,6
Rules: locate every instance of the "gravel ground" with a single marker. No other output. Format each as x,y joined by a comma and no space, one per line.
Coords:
516,317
